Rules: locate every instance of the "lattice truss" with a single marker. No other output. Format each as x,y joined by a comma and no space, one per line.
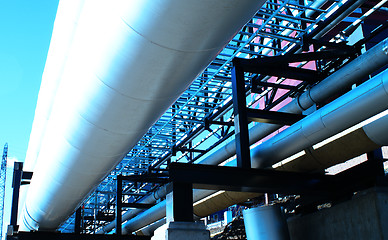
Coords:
201,119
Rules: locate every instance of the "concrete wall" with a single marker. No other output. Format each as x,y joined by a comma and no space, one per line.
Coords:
363,217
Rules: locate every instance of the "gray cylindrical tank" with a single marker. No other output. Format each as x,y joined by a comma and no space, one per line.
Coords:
265,222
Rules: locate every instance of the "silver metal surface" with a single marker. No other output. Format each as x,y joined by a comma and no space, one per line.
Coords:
121,76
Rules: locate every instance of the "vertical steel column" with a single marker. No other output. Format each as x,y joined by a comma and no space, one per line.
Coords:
179,202
77,221
119,203
183,202
376,162
17,179
240,117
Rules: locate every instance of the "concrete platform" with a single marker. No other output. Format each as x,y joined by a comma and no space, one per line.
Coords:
182,230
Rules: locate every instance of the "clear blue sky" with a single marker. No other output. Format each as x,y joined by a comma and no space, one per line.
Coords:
25,33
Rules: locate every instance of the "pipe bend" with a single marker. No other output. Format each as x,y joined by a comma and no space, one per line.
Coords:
305,100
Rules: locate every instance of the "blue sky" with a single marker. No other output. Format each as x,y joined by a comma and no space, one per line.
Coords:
25,32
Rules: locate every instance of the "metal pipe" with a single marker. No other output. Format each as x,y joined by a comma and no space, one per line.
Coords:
363,102
65,26
149,229
150,199
201,207
121,75
348,144
350,6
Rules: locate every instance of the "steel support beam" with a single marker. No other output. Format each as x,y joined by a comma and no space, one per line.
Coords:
282,70
240,117
281,118
78,222
376,162
150,178
251,180
17,179
119,204
138,205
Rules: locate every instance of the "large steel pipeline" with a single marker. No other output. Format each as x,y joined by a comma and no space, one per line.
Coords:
121,74
351,73
65,26
66,22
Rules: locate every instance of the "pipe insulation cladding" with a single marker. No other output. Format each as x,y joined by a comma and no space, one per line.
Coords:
128,62
363,102
66,22
343,146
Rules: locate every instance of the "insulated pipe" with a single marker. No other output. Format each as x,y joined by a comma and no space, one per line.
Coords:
65,24
363,102
347,12
358,69
150,199
155,213
121,75
149,229
201,208
343,146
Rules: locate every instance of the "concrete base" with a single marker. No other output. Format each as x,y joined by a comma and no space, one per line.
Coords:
363,217
182,230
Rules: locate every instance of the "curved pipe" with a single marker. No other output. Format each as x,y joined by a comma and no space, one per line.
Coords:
121,75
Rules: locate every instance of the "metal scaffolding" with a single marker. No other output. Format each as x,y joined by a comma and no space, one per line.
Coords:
3,174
